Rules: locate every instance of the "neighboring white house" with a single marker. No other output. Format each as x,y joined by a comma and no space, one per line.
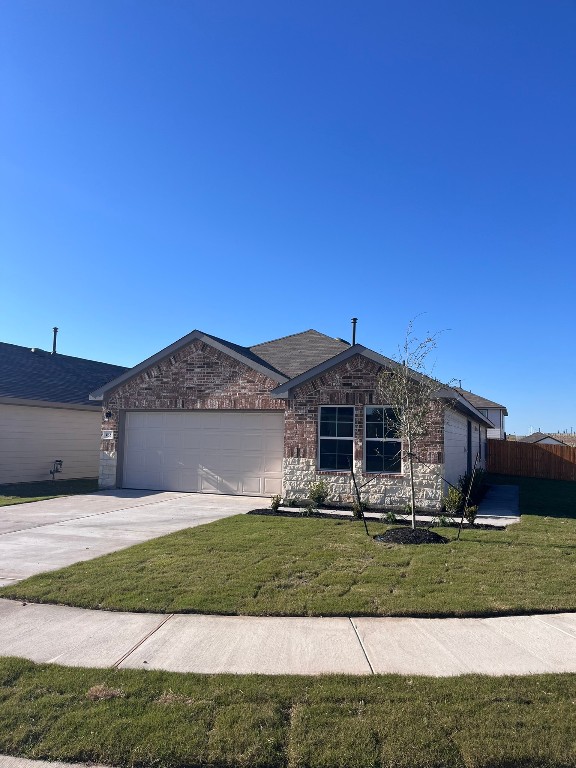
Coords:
45,413
493,411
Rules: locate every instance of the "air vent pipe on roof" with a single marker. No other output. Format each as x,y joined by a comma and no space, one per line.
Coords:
354,321
54,340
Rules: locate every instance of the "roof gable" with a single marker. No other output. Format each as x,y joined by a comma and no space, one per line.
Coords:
279,359
34,374
242,354
444,392
537,437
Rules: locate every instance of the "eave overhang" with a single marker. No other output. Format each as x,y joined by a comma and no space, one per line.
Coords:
47,404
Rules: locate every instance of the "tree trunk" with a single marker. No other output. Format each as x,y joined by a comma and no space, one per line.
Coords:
412,492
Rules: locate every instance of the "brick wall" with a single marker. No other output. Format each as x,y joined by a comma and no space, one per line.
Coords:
196,377
354,382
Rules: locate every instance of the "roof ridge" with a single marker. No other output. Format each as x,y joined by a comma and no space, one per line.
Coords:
291,335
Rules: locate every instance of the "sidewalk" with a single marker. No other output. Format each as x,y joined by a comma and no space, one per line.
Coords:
512,645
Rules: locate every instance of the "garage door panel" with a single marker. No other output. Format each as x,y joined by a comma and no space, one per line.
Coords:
236,452
272,486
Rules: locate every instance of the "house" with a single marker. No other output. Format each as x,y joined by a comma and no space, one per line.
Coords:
210,416
541,438
493,411
45,413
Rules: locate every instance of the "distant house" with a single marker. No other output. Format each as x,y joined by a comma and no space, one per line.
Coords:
45,413
568,438
541,438
493,411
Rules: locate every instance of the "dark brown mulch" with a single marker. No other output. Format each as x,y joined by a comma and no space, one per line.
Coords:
410,536
294,513
287,512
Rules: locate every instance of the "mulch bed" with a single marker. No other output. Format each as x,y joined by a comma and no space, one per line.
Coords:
410,536
421,524
295,513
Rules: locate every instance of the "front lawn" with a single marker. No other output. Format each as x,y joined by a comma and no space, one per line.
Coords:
169,720
316,567
21,493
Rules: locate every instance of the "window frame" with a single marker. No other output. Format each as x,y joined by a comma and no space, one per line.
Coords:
319,467
380,440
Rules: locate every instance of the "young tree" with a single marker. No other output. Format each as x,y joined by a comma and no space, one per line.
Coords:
408,391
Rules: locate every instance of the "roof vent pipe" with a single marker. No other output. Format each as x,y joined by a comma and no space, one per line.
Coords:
54,340
354,321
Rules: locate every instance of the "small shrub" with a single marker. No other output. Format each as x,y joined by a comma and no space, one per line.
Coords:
318,492
477,490
310,509
454,501
441,521
275,502
389,517
470,514
358,507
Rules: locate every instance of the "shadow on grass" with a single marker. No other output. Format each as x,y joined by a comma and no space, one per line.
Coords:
47,488
541,497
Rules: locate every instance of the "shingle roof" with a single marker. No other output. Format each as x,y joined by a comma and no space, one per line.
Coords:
479,402
536,437
245,352
295,354
39,375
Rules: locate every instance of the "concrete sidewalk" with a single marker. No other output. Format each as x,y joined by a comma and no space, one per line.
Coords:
23,762
281,645
502,502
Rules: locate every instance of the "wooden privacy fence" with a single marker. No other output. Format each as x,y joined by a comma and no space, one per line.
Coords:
554,462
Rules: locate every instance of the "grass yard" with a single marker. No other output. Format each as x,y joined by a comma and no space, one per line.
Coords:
315,567
169,720
21,493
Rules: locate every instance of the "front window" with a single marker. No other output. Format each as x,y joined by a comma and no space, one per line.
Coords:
336,437
382,446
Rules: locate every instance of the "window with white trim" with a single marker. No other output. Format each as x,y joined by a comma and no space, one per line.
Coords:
382,448
336,437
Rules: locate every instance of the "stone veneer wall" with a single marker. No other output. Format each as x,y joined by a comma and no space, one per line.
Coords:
354,382
196,377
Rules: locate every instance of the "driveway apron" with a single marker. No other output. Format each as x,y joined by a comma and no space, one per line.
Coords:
47,535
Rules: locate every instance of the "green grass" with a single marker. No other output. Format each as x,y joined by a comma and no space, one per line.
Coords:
315,567
172,720
22,493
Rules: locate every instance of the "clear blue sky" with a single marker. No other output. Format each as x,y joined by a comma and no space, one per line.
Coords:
256,168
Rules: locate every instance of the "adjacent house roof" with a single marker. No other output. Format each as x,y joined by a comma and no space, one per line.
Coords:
33,374
478,401
537,437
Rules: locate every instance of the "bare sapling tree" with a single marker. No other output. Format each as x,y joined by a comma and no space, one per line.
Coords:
407,390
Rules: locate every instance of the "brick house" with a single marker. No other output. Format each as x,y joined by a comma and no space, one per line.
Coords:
207,415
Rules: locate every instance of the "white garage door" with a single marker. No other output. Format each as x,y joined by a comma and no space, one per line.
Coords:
238,452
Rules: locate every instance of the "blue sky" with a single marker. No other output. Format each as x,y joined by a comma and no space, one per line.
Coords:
255,168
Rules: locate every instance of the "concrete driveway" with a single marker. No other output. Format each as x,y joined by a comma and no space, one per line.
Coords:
47,535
